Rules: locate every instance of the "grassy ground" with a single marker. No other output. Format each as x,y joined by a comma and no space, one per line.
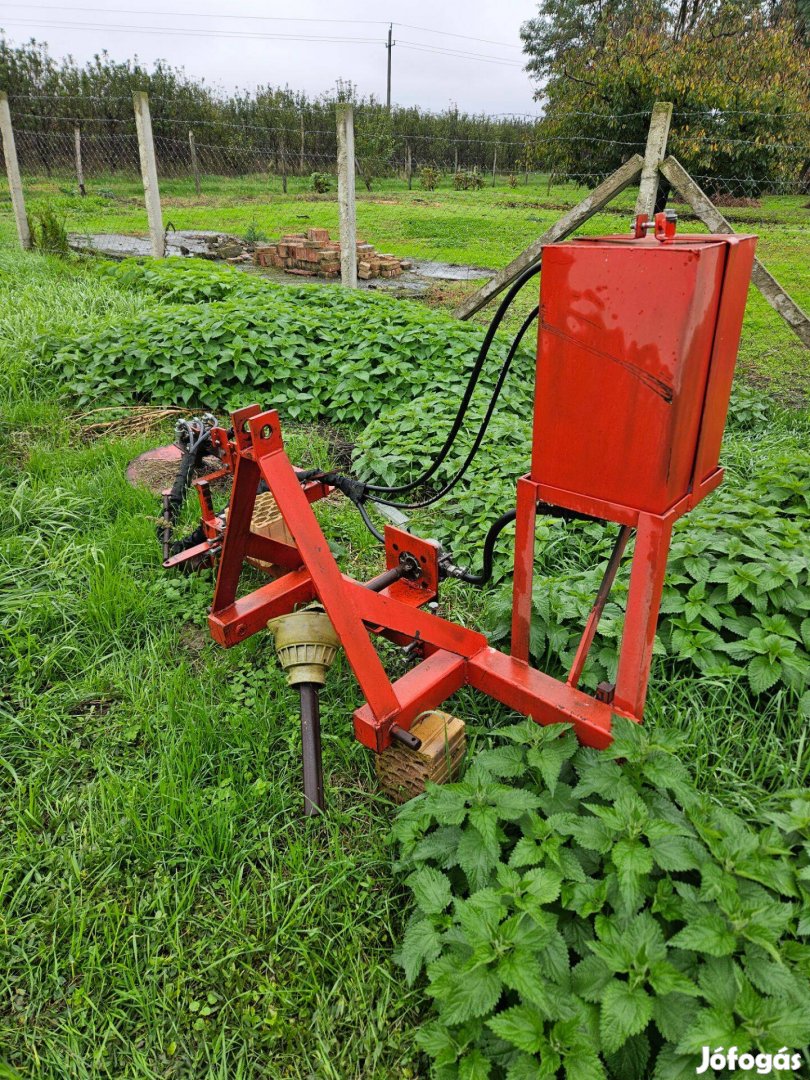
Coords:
481,228
164,911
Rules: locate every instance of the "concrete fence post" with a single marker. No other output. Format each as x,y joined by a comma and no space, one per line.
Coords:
346,201
13,174
77,139
151,192
195,167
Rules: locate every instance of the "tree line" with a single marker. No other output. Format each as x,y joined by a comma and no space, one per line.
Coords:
736,71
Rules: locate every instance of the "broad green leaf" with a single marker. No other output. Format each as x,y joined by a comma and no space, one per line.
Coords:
709,934
632,857
674,1015
474,1066
670,1065
523,1026
521,971
476,857
431,890
631,1060
583,1064
472,991
437,1041
420,944
590,977
665,978
625,1011
542,885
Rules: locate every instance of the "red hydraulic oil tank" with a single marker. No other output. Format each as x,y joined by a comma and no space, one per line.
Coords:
637,344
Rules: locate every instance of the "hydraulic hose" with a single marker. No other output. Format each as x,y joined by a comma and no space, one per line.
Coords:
495,530
481,430
475,374
173,502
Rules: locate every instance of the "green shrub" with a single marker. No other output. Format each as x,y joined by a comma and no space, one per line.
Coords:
187,281
736,596
253,234
601,919
321,182
48,233
467,181
429,177
311,353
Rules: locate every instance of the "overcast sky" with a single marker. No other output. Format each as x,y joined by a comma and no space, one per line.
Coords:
229,51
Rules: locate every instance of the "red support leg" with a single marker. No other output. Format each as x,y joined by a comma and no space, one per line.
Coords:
641,619
280,477
237,534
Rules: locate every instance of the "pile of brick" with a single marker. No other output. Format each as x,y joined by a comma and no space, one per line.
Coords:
313,254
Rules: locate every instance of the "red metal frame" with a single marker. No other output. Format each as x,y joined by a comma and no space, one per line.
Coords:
453,656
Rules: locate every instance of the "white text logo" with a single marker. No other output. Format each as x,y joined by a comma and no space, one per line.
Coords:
732,1059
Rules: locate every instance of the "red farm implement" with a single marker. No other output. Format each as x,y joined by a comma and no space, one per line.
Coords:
637,343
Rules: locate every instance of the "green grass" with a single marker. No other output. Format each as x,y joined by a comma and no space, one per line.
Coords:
165,912
482,228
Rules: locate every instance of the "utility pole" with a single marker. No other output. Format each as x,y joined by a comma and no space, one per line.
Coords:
389,46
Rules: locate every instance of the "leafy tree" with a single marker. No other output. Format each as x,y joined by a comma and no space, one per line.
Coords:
737,76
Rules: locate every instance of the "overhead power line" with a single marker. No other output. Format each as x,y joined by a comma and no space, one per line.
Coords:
258,18
466,37
193,32
261,35
418,46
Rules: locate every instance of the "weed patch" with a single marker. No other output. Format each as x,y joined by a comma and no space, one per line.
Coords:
602,918
315,354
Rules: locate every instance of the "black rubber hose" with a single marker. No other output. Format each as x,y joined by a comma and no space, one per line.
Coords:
545,509
475,374
481,430
495,531
182,482
368,522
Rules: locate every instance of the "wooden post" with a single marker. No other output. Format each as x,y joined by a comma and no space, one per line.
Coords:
301,156
195,168
77,139
563,227
13,174
282,156
151,192
654,154
694,196
409,165
494,165
346,203
455,167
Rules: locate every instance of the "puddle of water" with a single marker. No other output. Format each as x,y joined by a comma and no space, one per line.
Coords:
203,243
197,242
450,271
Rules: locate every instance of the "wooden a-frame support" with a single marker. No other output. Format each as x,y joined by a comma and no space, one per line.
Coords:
649,170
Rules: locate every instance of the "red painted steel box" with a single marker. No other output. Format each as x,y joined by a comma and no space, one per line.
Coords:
637,344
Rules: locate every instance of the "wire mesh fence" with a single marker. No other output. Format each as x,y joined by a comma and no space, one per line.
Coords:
472,199
507,151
